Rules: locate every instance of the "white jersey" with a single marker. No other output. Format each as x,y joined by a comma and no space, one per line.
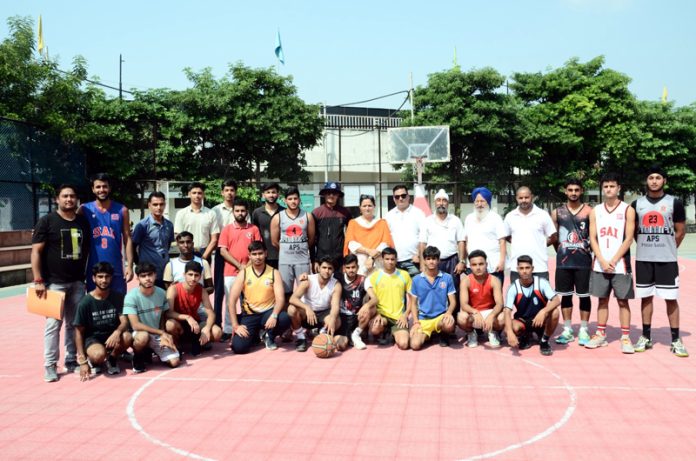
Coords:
318,298
611,228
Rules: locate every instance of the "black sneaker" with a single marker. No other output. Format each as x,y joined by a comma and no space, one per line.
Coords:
301,345
70,367
225,337
444,340
269,342
523,343
138,363
545,348
385,338
195,347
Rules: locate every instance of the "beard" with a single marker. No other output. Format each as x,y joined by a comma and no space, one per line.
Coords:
482,213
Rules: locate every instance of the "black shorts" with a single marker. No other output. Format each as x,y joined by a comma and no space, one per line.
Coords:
657,278
573,281
348,324
321,315
96,339
529,329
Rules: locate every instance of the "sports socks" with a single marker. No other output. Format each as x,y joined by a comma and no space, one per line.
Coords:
567,325
545,338
299,333
602,329
583,324
675,333
646,330
625,331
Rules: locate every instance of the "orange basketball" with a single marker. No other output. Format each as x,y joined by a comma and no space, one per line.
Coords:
323,346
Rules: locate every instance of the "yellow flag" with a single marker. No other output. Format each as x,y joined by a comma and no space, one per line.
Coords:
41,40
664,95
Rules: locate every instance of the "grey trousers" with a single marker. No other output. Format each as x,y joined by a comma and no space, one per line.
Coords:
73,294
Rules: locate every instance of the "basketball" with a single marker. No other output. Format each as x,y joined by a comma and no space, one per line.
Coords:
323,346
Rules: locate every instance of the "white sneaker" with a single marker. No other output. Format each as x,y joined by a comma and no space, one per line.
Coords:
358,343
472,340
493,340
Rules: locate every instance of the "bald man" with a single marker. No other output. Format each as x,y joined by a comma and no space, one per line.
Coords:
530,230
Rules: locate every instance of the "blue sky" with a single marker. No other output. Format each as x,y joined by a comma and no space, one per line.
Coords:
340,52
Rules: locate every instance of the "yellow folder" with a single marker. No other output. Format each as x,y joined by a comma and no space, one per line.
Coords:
50,306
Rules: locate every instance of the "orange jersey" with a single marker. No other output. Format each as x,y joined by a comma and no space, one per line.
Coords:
481,294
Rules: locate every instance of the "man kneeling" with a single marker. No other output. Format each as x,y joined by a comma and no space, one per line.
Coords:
315,303
101,329
145,307
186,298
434,302
390,301
536,308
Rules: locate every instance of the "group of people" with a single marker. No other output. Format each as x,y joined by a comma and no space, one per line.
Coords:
407,278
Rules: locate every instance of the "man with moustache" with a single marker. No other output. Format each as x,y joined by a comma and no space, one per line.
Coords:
234,242
200,220
331,220
485,231
573,260
530,230
153,236
110,225
224,212
261,218
59,250
405,224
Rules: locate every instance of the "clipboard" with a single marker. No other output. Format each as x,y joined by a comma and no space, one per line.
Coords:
50,306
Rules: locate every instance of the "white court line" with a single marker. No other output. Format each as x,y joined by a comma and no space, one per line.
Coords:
10,376
425,386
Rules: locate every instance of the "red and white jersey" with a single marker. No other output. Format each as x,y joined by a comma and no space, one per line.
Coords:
611,228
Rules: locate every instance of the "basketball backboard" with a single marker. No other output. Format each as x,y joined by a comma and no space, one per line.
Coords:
427,143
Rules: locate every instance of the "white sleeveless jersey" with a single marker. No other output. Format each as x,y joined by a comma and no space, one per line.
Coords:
178,269
318,298
611,228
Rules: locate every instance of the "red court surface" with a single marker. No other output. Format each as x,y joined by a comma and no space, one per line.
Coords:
382,403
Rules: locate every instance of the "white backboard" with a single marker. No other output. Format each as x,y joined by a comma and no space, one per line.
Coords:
430,143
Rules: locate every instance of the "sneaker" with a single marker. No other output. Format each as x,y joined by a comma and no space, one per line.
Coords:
643,344
385,338
627,346
677,348
583,336
301,345
195,347
565,337
472,339
523,342
72,367
493,340
597,341
112,367
50,374
138,363
358,343
126,357
545,348
268,341
286,337
94,370
444,340
225,337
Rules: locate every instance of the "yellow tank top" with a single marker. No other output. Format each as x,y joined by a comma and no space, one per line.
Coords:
259,295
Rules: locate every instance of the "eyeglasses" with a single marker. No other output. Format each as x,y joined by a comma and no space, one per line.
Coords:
401,196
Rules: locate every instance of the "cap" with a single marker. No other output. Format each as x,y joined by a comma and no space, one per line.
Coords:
332,187
442,194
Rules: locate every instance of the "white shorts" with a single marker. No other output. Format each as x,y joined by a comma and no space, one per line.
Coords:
164,353
485,313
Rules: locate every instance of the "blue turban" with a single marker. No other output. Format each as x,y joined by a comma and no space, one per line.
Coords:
485,193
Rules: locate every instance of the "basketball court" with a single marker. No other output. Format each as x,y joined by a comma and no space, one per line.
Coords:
438,403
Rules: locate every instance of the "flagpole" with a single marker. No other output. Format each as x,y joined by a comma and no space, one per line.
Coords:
120,77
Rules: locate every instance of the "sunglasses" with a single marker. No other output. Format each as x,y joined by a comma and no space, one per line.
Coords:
401,196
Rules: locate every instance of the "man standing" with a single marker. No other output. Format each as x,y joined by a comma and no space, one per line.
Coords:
481,300
445,232
292,232
485,231
59,252
315,303
234,249
390,301
611,232
405,224
148,312
433,295
535,305
331,221
176,268
101,328
530,231
573,260
200,221
153,236
261,218
110,228
660,229
224,212
262,307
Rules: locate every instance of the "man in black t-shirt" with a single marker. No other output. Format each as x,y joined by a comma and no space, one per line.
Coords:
331,220
59,252
261,218
101,329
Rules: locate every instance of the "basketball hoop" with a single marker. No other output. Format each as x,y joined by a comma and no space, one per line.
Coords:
418,146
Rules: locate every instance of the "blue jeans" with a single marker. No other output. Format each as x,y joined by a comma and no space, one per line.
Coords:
409,267
254,324
74,292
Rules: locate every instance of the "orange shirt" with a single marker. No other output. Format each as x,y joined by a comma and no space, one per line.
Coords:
188,303
236,240
368,237
481,294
